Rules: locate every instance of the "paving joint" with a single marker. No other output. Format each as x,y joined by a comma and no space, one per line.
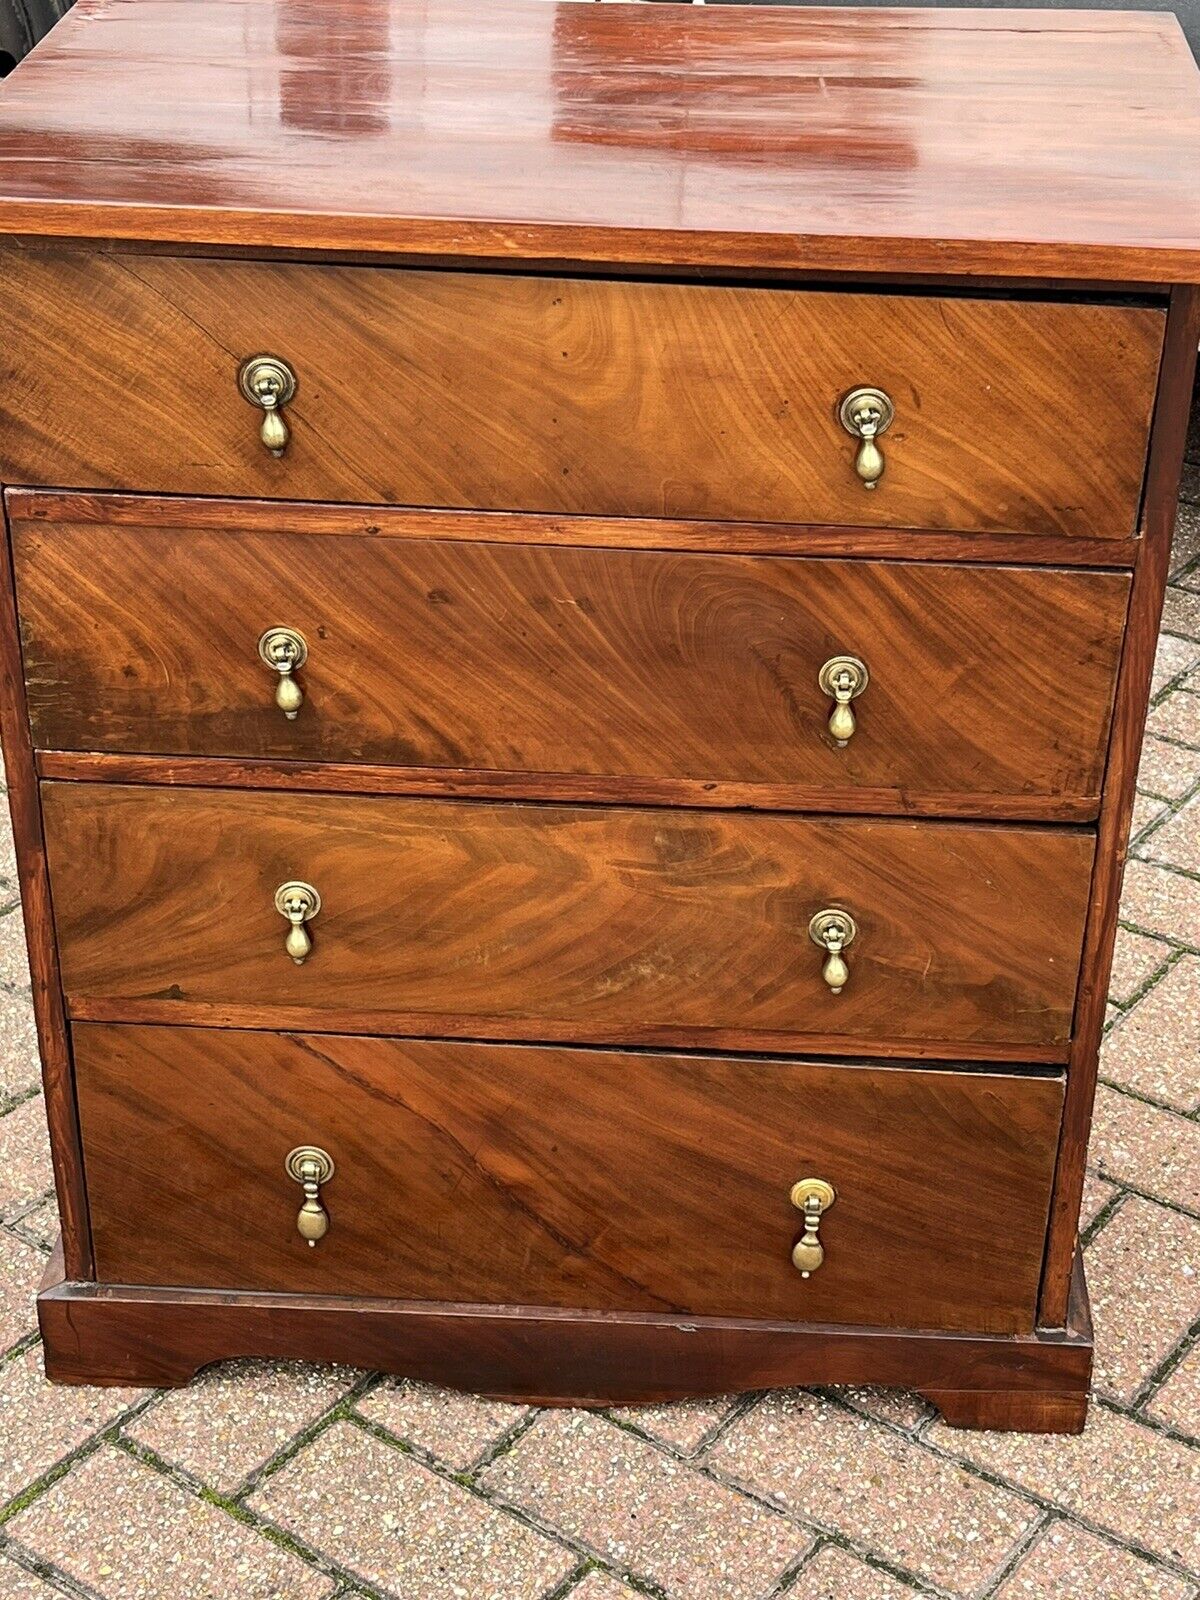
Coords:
1022,1548
1074,1518
340,1410
280,1537
33,1564
22,1097
1169,1364
469,1482
1172,959
1107,1211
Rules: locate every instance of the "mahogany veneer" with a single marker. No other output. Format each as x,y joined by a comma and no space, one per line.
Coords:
699,673
547,394
573,511
593,1198
554,922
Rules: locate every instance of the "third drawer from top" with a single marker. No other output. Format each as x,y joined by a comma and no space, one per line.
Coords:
599,924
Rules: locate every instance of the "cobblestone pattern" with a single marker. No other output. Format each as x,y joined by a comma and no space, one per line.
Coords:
266,1482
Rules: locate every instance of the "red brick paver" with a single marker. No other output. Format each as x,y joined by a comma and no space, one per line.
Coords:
1136,960
129,1533
18,1583
21,1269
456,1428
685,1425
234,1418
1155,1051
1176,717
834,1574
1118,1474
1168,771
1147,1147
1144,1274
646,1513
25,1174
1177,1401
906,1410
929,1516
1097,1192
600,1586
387,1518
41,1423
1067,1561
20,1072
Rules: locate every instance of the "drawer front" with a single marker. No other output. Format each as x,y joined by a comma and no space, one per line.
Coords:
569,395
485,1173
988,689
549,922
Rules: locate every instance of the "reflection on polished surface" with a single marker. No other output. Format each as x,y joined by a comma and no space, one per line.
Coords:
422,125
712,101
335,79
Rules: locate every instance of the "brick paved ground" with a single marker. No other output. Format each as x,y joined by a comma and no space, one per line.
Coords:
262,1481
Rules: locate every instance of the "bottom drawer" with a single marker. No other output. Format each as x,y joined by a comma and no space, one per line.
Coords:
567,1177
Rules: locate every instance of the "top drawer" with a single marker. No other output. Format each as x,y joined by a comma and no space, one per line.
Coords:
575,396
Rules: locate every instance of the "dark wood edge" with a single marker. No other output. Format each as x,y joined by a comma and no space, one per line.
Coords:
29,505
469,243
111,1334
236,772
1097,289
33,875
539,1030
1125,744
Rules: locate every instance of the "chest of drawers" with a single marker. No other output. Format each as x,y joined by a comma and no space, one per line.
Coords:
580,606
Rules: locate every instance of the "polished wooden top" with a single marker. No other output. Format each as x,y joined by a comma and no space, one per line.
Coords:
1022,143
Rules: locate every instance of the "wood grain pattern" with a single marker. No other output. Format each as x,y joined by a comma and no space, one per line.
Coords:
241,1013
333,777
1137,666
735,137
1011,1410
624,533
33,875
115,1334
573,395
700,671
563,1177
594,924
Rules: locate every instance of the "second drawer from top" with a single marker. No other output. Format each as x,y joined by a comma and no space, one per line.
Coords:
574,673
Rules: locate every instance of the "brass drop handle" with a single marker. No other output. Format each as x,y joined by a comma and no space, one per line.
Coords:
269,383
310,1166
866,413
299,903
813,1197
833,931
842,679
285,651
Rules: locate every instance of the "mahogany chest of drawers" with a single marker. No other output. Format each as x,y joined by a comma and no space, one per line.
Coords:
582,589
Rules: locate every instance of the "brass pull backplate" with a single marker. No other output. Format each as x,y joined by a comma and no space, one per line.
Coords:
843,678
833,931
813,1197
310,1167
866,413
298,903
285,652
269,383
